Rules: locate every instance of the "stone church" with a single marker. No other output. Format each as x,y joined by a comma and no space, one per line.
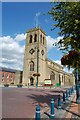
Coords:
38,70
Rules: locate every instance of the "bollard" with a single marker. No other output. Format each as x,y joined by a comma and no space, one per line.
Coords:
59,102
69,93
66,94
38,113
64,98
52,109
73,89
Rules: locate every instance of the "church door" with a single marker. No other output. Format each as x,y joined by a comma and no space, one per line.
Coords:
31,81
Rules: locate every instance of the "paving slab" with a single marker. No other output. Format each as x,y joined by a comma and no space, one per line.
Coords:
66,112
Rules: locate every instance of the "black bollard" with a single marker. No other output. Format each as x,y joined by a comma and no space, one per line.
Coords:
64,97
66,94
59,102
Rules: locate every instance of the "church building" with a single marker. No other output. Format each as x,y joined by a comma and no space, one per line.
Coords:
38,70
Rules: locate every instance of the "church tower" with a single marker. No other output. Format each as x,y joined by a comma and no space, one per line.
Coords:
34,67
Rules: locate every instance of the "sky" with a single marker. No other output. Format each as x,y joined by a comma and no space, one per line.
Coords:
17,19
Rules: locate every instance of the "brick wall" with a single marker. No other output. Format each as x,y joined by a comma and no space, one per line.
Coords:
7,77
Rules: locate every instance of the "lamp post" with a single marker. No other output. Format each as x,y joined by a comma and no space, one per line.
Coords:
37,68
37,62
37,74
77,87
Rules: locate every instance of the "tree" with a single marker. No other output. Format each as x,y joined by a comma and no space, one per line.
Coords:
66,15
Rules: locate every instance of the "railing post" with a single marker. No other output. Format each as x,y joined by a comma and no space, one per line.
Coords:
69,92
38,113
52,109
66,94
59,102
64,97
72,89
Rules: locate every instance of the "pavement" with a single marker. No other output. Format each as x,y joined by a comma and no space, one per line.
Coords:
69,110
22,102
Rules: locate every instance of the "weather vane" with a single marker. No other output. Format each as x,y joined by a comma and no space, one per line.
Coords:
36,19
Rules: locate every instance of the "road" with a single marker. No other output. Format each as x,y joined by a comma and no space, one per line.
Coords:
21,102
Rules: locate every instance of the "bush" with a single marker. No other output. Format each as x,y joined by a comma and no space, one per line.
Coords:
6,85
19,85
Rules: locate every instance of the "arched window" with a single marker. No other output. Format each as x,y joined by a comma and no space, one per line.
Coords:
62,78
31,66
59,79
35,38
30,41
3,75
52,76
41,38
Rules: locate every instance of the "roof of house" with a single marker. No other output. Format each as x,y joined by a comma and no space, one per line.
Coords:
8,69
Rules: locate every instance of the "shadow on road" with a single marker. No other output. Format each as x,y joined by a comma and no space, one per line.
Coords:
43,100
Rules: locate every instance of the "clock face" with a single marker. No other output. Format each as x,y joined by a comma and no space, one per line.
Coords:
42,52
32,51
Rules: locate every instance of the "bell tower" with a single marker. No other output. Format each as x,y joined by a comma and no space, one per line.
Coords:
34,67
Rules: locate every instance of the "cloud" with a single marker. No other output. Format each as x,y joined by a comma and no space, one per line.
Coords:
12,51
64,68
57,61
20,37
51,41
67,70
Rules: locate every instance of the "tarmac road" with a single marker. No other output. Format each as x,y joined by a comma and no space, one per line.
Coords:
21,102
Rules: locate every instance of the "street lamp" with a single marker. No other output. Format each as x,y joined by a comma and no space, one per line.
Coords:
77,87
37,74
37,68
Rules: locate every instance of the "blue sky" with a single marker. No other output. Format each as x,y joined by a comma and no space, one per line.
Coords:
17,18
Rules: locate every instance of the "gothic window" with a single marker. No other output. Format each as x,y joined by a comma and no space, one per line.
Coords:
31,66
41,38
52,76
62,78
69,80
30,41
35,38
59,79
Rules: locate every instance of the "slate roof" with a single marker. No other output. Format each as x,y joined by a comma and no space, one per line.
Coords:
8,69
